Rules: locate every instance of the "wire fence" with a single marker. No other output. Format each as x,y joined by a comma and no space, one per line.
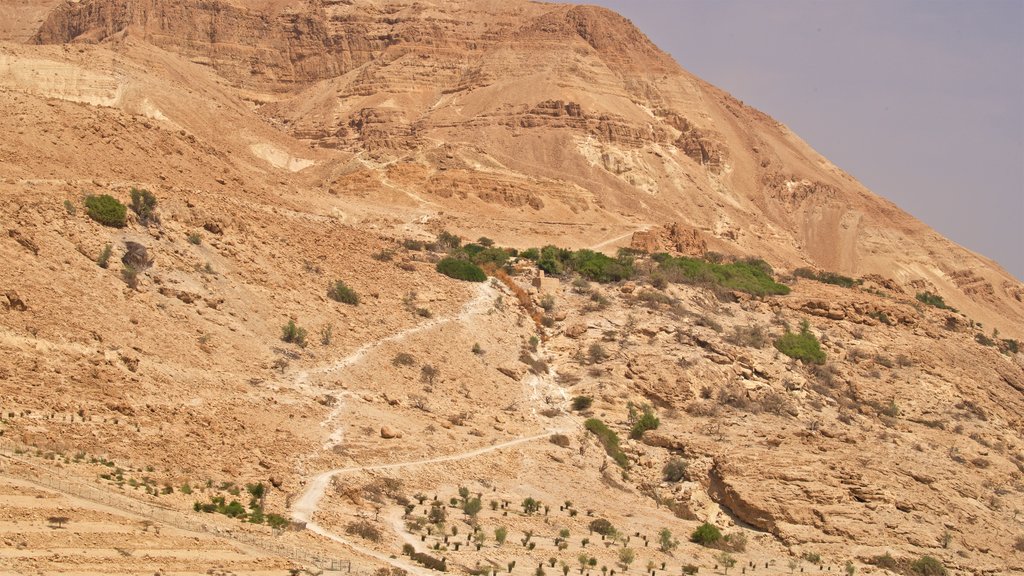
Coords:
52,479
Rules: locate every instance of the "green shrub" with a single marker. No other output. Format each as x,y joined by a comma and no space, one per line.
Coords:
144,205
461,270
340,292
104,259
106,210
276,521
70,208
580,403
801,346
928,566
706,534
933,300
601,268
195,238
609,439
293,334
648,420
752,276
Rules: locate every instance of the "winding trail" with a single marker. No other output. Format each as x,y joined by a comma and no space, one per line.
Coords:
305,507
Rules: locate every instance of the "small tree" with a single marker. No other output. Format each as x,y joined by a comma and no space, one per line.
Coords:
626,557
726,560
58,521
666,542
472,507
500,535
530,506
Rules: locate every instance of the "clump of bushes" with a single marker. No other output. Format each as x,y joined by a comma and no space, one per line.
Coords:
706,535
932,299
587,263
340,292
928,566
461,270
365,530
106,210
752,276
609,439
827,277
802,345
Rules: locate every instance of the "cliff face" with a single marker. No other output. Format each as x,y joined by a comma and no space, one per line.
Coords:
574,99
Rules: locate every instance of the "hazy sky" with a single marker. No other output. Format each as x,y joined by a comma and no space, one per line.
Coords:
921,100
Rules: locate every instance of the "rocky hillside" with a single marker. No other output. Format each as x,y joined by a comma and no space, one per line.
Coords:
816,375
542,113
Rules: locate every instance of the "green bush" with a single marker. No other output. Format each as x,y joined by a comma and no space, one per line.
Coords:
752,276
580,403
609,439
601,268
106,210
933,300
293,334
928,566
461,270
801,346
144,205
340,292
706,534
647,421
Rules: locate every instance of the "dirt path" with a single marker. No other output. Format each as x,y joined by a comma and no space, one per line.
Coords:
304,508
611,241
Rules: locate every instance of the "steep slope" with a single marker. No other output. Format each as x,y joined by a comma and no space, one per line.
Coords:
294,144
568,113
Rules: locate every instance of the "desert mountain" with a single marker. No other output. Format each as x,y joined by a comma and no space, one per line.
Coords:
292,144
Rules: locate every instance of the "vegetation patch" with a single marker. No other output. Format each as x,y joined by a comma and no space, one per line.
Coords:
752,276
827,277
461,270
609,439
706,535
106,210
934,300
802,345
340,292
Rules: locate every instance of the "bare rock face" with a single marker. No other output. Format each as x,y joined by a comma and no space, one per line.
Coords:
672,238
14,302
